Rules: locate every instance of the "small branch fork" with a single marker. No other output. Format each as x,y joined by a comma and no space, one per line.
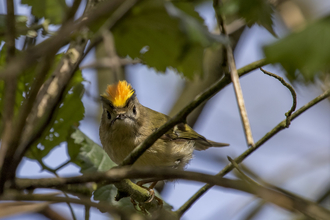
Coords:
293,93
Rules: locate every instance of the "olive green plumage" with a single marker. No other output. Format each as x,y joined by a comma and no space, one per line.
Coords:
125,126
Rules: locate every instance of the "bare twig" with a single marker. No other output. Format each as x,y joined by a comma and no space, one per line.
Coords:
44,166
289,202
293,93
181,116
234,76
239,96
245,154
244,176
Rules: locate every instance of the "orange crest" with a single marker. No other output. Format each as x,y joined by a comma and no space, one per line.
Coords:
119,93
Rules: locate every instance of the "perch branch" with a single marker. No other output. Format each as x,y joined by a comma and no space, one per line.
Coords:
181,116
289,202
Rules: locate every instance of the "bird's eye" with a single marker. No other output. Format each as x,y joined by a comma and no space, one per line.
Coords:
134,110
108,115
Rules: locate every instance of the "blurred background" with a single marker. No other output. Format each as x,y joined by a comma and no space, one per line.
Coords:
296,159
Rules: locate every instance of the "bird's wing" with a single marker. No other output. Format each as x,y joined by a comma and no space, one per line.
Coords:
185,132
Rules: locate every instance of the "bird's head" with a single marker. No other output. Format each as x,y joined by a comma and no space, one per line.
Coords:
120,105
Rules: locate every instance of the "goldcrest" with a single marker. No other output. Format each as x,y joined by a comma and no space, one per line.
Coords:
126,123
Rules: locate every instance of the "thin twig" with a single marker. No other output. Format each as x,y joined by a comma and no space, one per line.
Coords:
289,202
293,93
228,52
181,116
44,166
244,176
245,154
239,96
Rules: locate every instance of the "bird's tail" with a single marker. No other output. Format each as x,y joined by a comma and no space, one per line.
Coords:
203,145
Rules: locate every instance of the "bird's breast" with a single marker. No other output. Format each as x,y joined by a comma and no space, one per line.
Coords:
119,142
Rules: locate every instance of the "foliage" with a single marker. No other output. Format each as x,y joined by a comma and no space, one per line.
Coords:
162,35
48,9
20,23
253,12
87,154
70,112
306,51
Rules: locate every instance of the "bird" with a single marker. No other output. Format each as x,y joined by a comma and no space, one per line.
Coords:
125,123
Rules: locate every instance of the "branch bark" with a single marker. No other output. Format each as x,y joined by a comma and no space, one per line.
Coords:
288,202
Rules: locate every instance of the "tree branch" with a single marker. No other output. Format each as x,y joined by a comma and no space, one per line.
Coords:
82,201
289,202
245,154
49,98
181,116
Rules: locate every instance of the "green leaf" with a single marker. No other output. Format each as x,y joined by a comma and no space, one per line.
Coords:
87,154
70,112
48,9
163,37
253,11
20,23
23,83
306,51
